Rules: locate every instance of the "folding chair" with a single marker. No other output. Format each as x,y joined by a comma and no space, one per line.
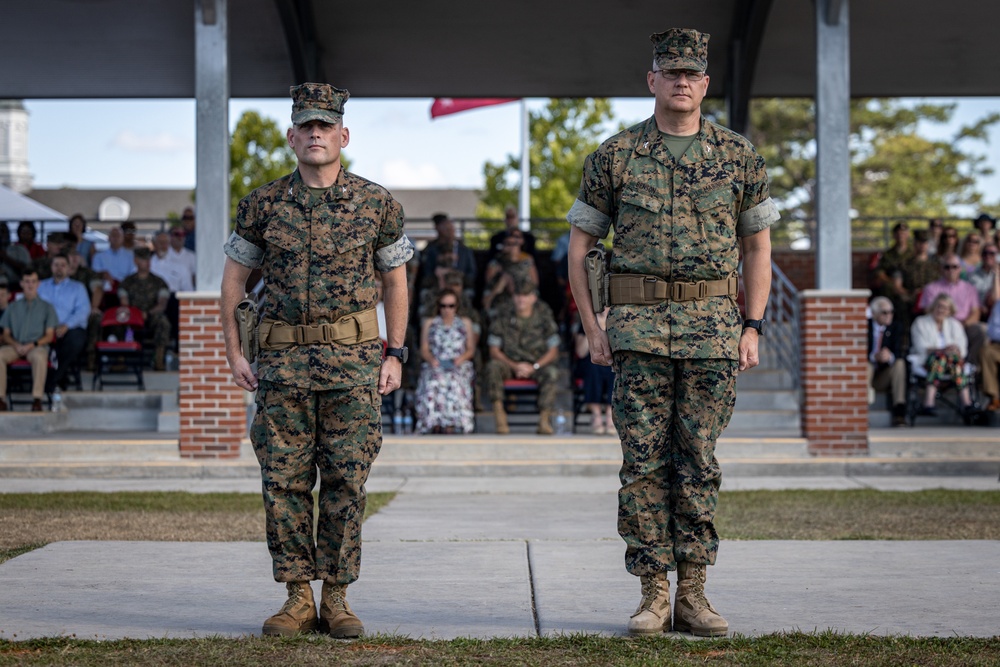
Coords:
19,382
120,350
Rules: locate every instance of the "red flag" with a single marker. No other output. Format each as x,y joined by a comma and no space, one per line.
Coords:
445,105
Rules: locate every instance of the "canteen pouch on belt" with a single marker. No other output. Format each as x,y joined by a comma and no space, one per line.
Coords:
597,277
246,324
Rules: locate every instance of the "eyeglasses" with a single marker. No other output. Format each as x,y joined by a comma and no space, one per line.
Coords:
674,74
447,305
950,266
951,236
975,240
178,234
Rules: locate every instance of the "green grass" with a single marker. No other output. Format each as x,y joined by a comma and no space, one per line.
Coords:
778,650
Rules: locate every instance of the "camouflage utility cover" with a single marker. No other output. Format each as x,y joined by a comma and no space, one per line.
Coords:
680,220
681,48
319,260
318,101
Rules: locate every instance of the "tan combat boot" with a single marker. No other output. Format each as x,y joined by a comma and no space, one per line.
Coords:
545,422
501,418
692,611
297,615
160,359
653,615
335,616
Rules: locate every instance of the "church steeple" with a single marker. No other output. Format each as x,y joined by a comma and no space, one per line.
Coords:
14,171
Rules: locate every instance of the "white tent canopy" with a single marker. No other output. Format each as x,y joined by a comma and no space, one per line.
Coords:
15,207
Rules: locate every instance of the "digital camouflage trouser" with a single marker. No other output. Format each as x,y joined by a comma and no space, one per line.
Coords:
669,413
547,378
295,432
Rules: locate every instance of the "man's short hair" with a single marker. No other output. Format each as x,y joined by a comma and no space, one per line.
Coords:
142,253
899,226
438,218
880,304
61,255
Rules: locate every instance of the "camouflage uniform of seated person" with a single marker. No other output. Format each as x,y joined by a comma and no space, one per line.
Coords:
524,344
149,293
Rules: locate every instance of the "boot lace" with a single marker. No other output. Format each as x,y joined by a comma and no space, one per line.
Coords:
650,590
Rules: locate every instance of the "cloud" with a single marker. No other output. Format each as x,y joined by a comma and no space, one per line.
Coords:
402,174
163,142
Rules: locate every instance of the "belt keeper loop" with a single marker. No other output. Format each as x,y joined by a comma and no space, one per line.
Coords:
300,335
702,289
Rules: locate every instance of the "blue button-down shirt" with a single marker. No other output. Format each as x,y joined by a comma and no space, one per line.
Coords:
119,263
69,298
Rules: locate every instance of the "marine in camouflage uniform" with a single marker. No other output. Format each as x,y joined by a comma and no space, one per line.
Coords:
149,293
524,343
318,405
683,195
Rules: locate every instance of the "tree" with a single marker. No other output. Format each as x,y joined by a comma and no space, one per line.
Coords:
258,154
561,136
895,172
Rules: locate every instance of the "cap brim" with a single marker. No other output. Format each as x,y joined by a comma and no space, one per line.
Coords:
316,114
665,62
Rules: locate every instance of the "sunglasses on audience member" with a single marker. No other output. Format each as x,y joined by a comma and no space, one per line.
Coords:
950,266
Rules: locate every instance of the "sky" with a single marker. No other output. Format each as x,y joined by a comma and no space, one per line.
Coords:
150,143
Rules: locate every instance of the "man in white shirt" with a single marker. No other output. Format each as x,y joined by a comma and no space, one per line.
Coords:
177,266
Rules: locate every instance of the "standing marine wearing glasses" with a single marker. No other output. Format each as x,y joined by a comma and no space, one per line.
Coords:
685,197
319,236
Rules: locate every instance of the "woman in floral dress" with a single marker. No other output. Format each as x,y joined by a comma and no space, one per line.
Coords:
444,391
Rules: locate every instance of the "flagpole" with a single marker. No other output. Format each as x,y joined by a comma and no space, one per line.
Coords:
525,194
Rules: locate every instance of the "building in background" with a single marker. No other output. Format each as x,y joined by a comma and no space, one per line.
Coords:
14,171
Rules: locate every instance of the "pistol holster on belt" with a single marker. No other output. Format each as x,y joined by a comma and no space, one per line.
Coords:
246,324
596,263
348,330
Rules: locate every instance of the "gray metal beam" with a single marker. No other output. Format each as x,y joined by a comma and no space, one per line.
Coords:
833,159
212,137
749,24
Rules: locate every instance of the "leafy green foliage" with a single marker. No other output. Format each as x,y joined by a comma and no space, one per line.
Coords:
258,154
561,136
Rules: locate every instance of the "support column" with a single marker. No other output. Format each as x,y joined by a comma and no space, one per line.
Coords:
834,383
212,408
833,158
213,411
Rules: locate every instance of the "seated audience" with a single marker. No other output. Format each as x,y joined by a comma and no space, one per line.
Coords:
116,263
4,295
921,270
964,299
72,303
188,224
459,256
14,259
886,361
947,242
524,344
509,268
984,276
178,267
77,228
989,357
55,244
888,279
510,224
28,328
129,236
26,239
95,288
934,229
598,381
971,254
150,294
986,226
940,345
445,388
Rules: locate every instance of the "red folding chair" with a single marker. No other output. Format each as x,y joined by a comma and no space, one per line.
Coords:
119,352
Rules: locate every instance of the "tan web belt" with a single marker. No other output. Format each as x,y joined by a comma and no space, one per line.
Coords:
635,288
348,330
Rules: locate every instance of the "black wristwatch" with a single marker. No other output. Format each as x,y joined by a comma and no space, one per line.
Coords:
402,352
755,324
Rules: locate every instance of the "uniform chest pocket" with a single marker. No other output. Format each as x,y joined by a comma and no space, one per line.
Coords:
284,237
642,200
706,201
344,241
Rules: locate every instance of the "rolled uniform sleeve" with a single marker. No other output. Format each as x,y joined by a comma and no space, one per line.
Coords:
757,211
591,212
393,248
246,244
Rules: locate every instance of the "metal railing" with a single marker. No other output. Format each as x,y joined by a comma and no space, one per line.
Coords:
783,331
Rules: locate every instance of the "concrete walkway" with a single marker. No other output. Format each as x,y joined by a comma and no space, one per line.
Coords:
498,557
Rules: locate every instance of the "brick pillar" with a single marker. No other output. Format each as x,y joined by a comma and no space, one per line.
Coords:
834,391
213,411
